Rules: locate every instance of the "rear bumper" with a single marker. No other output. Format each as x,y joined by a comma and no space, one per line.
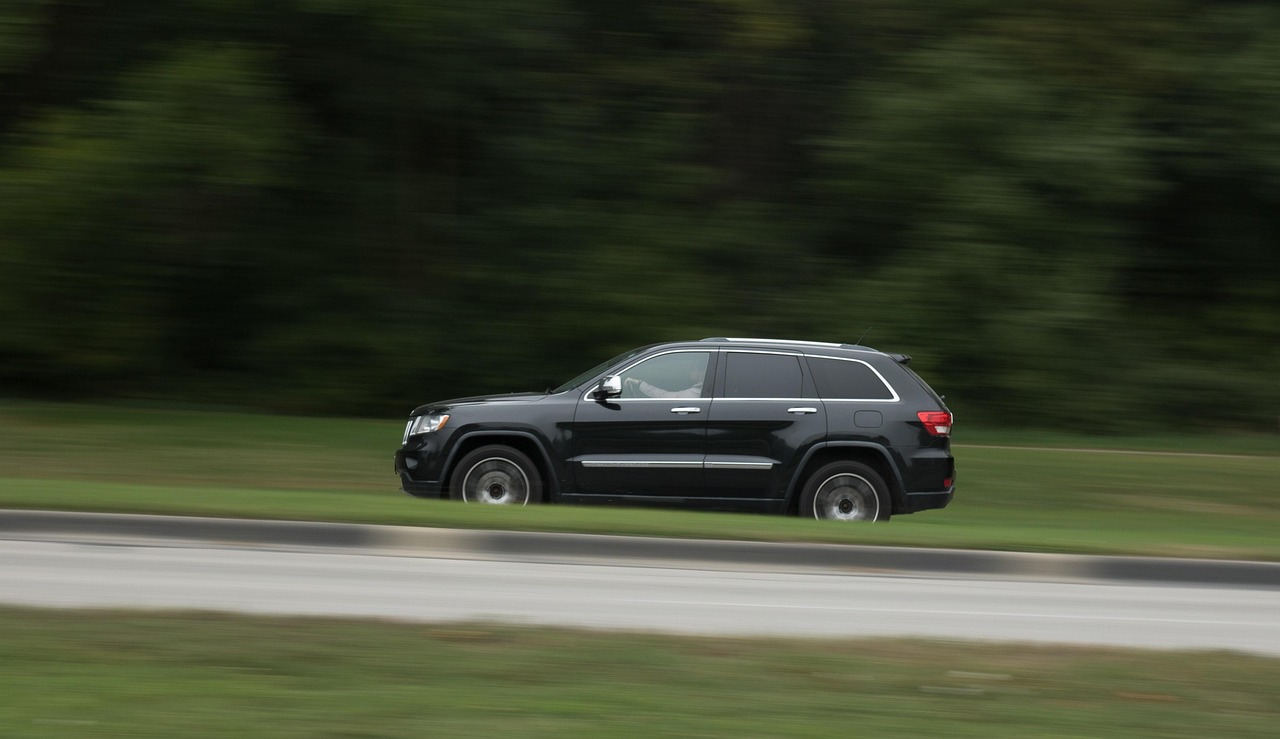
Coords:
929,500
929,478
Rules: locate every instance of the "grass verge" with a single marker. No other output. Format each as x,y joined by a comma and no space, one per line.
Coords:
1013,492
100,674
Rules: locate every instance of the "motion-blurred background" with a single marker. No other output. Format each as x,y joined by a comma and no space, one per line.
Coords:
1066,210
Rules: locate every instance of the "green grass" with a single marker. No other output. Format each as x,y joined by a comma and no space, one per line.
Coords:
101,458
111,674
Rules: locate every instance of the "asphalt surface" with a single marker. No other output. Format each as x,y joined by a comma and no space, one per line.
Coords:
641,597
726,588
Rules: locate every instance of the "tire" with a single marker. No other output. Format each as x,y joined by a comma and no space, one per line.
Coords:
845,491
496,475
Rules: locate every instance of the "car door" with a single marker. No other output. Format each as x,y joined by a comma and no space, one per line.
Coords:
764,416
651,440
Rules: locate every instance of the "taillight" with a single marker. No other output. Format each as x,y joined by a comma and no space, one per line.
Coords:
937,423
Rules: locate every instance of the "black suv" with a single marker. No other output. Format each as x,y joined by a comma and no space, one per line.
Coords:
832,431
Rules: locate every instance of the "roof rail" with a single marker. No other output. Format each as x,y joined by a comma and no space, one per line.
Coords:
789,342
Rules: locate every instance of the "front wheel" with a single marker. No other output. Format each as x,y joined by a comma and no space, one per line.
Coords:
496,475
845,491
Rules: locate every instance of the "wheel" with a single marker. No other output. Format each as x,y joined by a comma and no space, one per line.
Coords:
846,491
497,475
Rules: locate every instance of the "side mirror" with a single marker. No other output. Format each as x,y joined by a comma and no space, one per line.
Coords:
609,387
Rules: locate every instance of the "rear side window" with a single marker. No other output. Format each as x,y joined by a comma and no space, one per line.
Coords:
848,379
762,376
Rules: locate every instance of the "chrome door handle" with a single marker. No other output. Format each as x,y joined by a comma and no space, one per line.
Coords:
802,411
686,409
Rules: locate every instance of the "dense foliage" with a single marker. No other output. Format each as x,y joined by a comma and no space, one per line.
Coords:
1066,209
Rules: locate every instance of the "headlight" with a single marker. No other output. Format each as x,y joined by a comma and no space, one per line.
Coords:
424,424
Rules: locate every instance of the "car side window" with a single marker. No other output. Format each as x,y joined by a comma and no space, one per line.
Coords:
675,375
848,380
751,375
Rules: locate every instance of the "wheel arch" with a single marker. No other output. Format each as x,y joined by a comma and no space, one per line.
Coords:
873,455
523,441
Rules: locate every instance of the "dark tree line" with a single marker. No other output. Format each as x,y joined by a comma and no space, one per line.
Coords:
1066,210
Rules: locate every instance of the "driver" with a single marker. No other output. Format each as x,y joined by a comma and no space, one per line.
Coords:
648,390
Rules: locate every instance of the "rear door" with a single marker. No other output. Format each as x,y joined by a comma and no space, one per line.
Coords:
764,416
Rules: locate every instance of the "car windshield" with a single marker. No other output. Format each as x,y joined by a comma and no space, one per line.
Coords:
571,384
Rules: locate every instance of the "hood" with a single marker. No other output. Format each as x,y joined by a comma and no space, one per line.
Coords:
442,405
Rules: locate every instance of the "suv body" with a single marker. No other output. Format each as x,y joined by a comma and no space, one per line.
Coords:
825,430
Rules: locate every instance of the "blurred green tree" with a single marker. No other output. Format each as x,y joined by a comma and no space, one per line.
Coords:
1066,210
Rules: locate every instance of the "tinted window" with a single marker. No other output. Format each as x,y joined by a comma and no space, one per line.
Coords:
762,376
838,378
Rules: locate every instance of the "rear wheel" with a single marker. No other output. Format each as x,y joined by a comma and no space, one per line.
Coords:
845,491
496,475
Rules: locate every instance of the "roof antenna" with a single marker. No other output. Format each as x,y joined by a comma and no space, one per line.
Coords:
863,336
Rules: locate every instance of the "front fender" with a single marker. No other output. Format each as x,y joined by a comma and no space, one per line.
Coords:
471,439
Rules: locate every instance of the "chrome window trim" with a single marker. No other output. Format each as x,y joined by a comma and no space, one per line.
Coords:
863,400
728,350
769,400
650,400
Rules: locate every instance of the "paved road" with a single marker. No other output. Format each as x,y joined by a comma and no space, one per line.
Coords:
613,596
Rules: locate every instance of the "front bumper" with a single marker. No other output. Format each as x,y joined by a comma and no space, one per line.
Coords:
408,467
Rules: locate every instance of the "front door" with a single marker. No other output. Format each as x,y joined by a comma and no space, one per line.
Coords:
650,441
